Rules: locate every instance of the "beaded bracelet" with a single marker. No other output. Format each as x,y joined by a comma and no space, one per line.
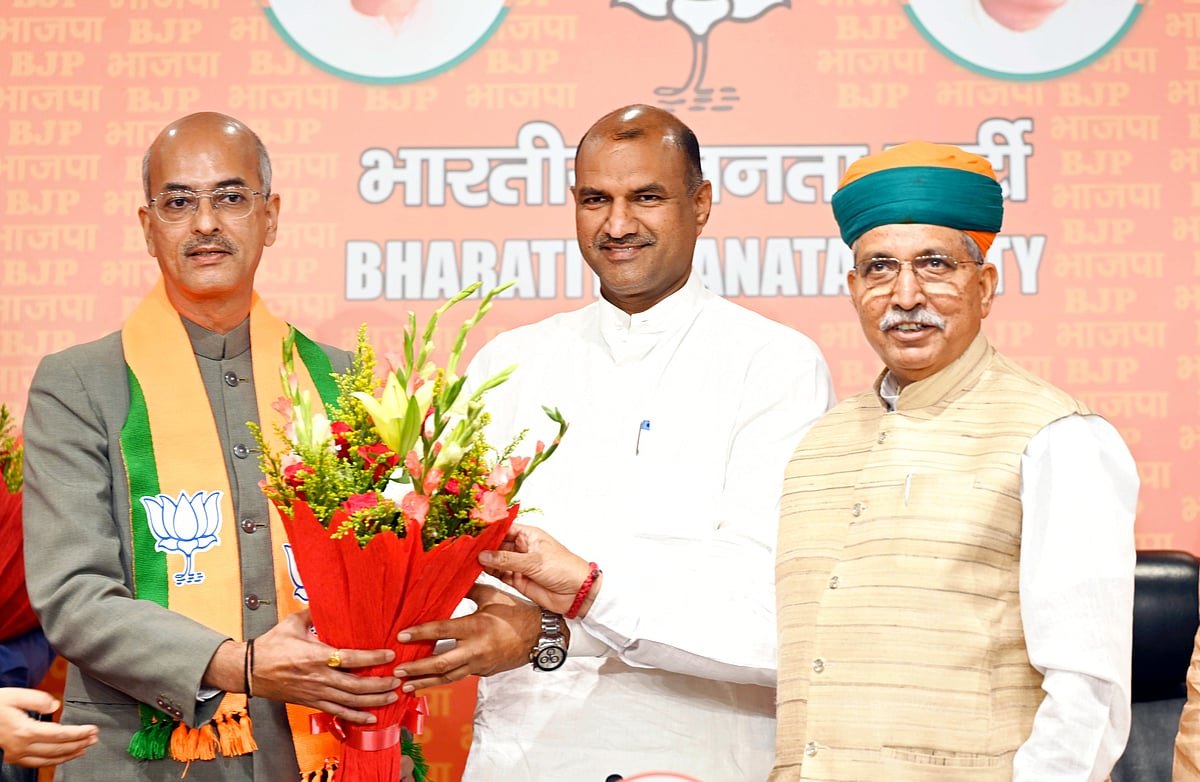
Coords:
248,669
584,589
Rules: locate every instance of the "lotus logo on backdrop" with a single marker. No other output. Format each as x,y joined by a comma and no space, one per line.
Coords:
699,17
186,525
385,41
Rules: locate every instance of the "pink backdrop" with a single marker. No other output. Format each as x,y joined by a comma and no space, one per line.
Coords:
430,145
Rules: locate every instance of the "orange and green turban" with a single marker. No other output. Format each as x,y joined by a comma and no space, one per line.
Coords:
918,182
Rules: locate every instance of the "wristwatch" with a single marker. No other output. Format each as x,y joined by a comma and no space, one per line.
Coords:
550,651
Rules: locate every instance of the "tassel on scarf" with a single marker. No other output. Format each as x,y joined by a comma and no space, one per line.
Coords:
234,734
206,744
154,737
188,744
180,739
410,747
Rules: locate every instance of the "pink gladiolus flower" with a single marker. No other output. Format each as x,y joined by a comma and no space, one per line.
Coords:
432,481
502,478
412,463
414,507
540,447
519,463
492,507
283,406
356,502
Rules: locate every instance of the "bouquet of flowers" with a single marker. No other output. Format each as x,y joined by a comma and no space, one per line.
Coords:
18,617
372,565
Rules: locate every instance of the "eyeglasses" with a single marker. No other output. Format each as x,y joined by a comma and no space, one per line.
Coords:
877,272
175,206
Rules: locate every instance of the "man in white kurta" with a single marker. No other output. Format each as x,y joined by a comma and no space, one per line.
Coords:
683,408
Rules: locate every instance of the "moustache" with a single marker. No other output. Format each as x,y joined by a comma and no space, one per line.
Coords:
627,240
220,242
895,316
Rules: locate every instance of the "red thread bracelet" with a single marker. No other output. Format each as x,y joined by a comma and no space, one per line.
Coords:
584,589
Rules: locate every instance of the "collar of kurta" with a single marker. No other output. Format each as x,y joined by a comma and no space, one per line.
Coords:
665,316
935,388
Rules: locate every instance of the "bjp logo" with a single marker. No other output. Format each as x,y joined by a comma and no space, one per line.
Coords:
386,41
186,525
699,17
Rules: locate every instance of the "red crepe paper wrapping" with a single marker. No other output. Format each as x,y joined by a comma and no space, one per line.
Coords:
16,615
361,598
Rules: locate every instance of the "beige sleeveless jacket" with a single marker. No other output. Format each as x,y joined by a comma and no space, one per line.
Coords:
902,655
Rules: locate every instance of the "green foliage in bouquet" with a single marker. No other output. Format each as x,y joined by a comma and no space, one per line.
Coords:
416,432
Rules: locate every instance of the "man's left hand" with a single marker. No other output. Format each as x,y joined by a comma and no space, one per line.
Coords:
535,564
497,637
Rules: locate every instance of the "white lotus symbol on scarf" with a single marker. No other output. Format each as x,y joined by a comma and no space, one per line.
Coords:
300,593
187,526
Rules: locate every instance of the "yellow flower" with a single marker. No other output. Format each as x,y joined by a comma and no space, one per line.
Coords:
396,415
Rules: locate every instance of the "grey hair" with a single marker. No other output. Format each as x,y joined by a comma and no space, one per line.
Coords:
969,245
264,166
973,249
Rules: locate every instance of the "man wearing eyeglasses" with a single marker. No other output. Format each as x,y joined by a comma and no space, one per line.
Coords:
154,417
955,562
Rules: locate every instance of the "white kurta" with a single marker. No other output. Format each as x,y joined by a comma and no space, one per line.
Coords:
674,667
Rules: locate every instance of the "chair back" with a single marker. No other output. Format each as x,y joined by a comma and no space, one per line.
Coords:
1166,613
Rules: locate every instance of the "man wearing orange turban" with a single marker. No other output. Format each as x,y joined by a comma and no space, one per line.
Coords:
954,575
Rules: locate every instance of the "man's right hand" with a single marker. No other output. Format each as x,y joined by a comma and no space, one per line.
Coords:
292,666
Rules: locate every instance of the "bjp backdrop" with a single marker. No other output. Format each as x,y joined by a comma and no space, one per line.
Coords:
421,145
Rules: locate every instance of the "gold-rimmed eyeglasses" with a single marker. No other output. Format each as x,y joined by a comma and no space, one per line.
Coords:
876,272
175,206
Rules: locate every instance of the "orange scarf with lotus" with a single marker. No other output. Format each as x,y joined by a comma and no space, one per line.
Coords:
183,526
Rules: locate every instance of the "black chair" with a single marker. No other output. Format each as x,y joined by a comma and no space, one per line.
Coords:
1166,613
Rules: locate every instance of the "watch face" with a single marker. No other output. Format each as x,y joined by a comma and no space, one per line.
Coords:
549,658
